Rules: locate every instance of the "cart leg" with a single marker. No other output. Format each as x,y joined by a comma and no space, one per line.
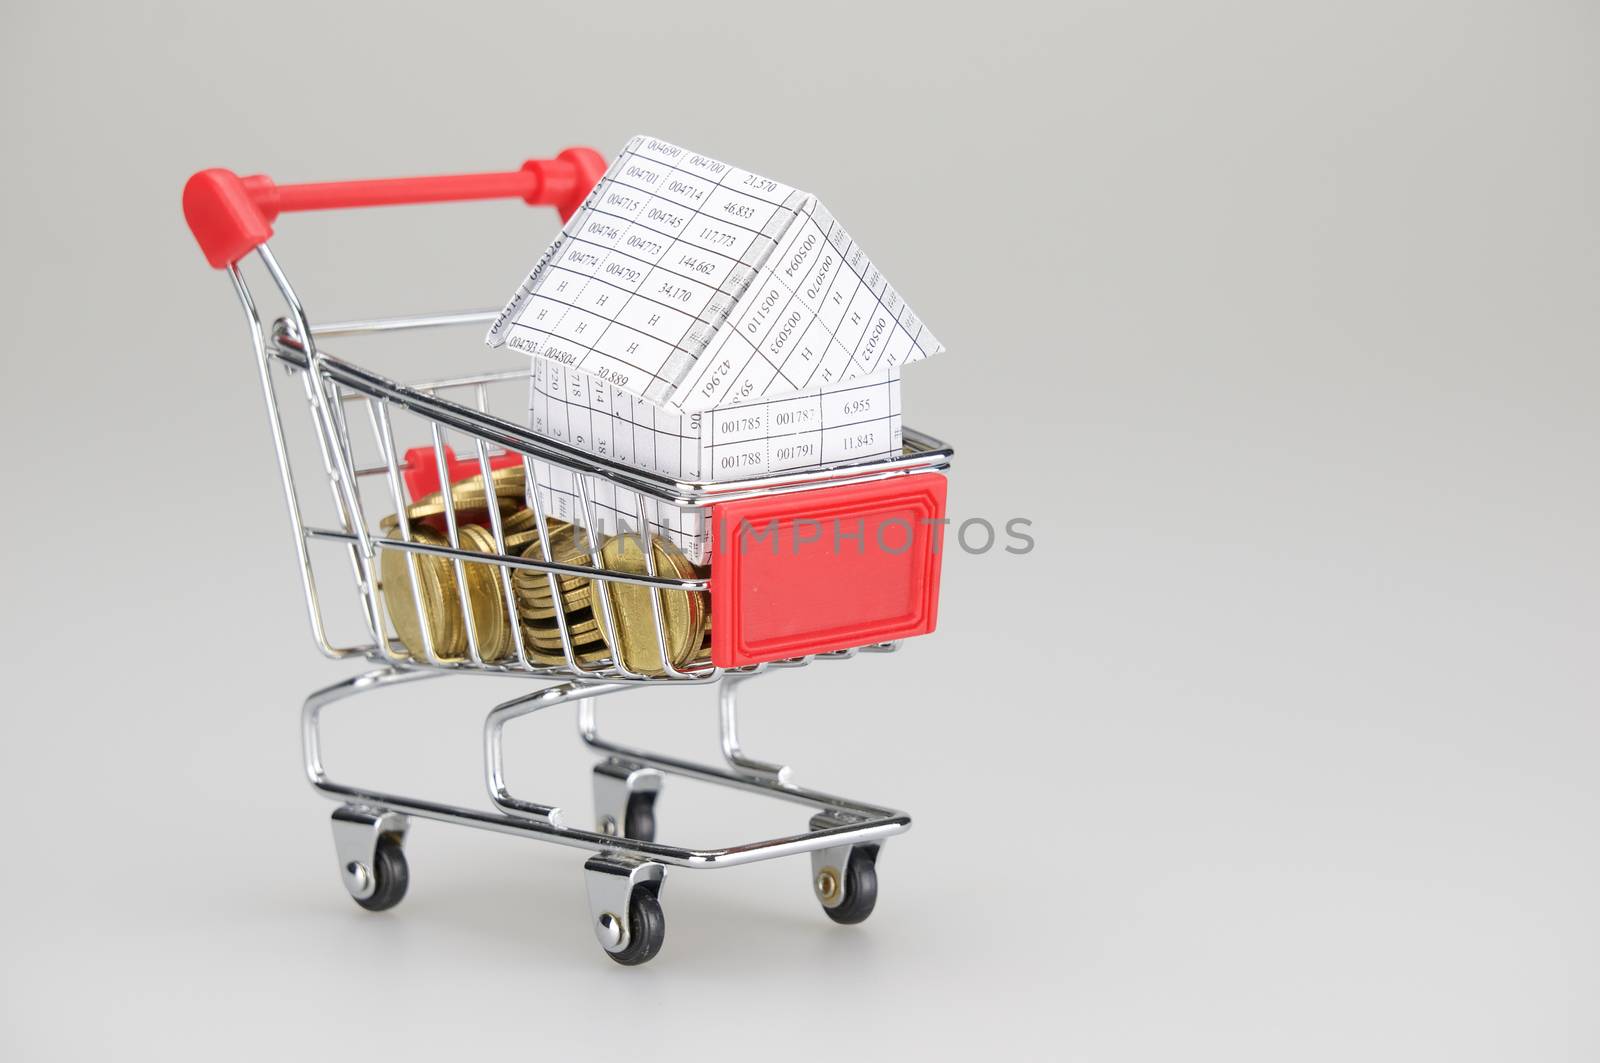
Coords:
625,906
493,742
844,877
732,751
372,862
625,799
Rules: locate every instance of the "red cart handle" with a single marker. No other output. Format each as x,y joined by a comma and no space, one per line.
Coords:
231,216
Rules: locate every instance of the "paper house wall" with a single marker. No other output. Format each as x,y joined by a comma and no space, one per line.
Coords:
701,321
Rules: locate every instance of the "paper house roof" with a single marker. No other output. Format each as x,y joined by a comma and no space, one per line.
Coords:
694,284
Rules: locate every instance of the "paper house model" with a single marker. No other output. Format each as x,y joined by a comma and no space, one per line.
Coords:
701,321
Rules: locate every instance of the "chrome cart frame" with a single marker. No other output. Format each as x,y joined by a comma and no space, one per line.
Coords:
626,871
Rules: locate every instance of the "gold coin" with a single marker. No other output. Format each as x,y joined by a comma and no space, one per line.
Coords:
522,528
516,541
436,585
683,613
583,655
467,498
525,519
581,627
486,596
538,609
441,598
508,485
511,480
699,601
591,644
508,488
533,589
470,508
569,546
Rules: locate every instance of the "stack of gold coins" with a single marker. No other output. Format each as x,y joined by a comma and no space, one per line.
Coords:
469,500
542,615
685,615
424,591
520,529
434,596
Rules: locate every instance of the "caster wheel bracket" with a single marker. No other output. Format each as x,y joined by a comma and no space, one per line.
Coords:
624,797
833,878
614,882
357,831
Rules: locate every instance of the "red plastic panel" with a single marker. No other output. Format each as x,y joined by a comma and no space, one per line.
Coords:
828,569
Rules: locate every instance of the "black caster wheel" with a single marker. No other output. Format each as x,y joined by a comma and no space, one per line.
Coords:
639,821
391,876
647,929
860,889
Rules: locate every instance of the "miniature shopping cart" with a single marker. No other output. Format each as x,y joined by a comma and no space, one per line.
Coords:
763,579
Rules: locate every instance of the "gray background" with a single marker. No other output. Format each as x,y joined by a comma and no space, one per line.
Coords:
1278,321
